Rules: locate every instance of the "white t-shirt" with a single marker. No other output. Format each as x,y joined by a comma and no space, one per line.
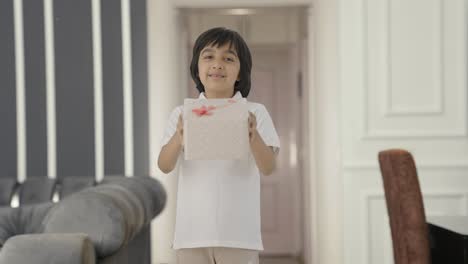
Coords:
218,201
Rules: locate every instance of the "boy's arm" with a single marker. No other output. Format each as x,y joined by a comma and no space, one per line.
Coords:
264,156
169,155
170,152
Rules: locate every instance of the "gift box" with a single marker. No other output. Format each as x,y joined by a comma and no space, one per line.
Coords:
216,129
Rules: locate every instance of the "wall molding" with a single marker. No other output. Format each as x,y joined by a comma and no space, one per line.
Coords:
369,165
369,196
372,134
389,111
438,107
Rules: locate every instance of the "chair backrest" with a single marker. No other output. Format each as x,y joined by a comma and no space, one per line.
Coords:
405,207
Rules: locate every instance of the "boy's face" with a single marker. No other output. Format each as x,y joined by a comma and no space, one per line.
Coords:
218,70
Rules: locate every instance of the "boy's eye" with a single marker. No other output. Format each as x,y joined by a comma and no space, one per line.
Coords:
207,57
230,59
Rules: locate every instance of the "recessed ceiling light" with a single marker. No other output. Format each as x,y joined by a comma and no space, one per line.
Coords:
240,11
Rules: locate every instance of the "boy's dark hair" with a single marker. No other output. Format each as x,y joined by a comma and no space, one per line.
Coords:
220,36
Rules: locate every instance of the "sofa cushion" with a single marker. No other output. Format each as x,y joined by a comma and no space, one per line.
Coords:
7,224
22,220
36,190
73,184
7,187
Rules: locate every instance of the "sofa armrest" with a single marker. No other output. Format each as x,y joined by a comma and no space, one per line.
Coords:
48,249
111,214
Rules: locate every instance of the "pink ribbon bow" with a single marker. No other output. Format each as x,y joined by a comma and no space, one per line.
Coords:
203,110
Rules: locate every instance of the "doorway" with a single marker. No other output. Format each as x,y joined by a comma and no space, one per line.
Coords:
276,38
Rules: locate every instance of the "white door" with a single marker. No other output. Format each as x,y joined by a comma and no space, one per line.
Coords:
404,85
274,84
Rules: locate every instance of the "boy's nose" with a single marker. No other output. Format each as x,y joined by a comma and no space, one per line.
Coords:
217,65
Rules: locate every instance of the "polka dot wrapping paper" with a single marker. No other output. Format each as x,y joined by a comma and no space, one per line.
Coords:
216,129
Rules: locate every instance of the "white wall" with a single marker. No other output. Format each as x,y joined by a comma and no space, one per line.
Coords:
164,94
325,215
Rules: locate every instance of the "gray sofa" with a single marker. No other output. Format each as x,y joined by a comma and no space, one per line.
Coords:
104,223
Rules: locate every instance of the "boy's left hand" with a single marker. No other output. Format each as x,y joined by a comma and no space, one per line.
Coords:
252,126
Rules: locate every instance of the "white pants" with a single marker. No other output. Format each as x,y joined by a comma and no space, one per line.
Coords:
216,255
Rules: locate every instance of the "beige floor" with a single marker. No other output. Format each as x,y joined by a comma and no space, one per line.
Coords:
270,260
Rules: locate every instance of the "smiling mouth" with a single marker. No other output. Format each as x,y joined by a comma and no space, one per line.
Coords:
216,75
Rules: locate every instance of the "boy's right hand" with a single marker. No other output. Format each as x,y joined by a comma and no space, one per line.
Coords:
180,130
171,151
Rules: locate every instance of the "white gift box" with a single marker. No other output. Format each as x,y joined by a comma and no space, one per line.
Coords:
216,129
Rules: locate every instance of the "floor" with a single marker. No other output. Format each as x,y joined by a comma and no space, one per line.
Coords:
277,260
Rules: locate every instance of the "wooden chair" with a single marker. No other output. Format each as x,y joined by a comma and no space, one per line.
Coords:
405,207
